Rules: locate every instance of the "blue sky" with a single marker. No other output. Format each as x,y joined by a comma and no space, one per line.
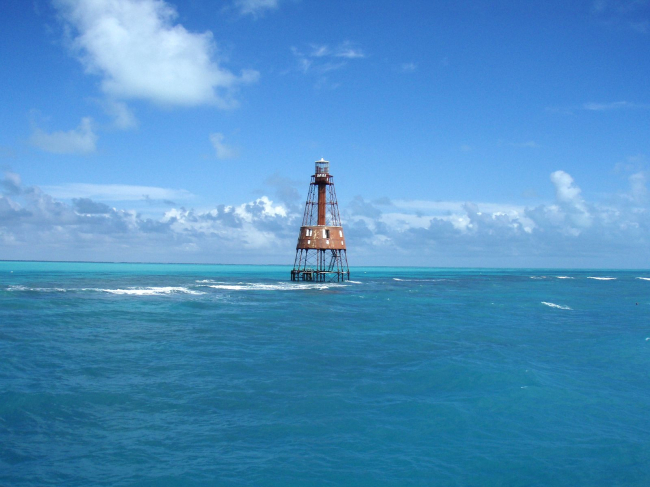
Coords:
460,133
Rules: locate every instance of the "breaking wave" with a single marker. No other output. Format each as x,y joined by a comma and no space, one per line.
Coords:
253,286
603,278
644,278
553,305
135,291
417,280
149,291
38,289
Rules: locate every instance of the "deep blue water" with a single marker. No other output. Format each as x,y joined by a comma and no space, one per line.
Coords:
129,374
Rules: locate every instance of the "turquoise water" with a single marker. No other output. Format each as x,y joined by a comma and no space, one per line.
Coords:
142,374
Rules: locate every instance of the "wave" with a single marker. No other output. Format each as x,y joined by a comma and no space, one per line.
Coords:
253,286
538,277
565,277
553,305
355,282
137,291
603,278
38,289
417,280
644,278
149,291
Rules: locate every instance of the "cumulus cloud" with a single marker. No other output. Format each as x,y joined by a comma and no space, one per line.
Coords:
11,183
222,150
140,52
34,224
570,201
80,140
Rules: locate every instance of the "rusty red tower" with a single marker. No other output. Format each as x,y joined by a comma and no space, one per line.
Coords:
321,253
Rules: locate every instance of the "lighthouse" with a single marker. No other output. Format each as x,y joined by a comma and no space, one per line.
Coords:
321,254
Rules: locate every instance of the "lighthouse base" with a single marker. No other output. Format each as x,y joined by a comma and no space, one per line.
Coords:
320,265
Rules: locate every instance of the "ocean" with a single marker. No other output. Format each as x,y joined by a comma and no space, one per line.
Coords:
211,375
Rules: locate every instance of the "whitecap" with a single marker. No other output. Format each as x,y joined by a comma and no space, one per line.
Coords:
281,286
355,282
644,278
38,289
603,278
565,277
553,305
150,291
417,280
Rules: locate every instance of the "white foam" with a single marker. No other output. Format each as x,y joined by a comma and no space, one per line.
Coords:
565,277
149,291
355,282
553,305
603,278
417,280
644,278
281,286
538,277
38,289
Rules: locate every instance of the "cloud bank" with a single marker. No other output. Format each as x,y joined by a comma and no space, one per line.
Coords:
567,232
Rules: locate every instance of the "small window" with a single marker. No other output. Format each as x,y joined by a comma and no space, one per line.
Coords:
327,242
326,234
308,242
341,233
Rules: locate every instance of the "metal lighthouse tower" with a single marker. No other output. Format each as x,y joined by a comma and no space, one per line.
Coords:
321,253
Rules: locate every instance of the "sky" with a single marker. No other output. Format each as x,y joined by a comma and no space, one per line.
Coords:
464,133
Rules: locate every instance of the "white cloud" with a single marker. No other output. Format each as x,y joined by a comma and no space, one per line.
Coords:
141,53
347,50
222,150
617,105
565,191
255,7
638,188
322,58
568,231
81,140
123,117
116,192
408,67
531,144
